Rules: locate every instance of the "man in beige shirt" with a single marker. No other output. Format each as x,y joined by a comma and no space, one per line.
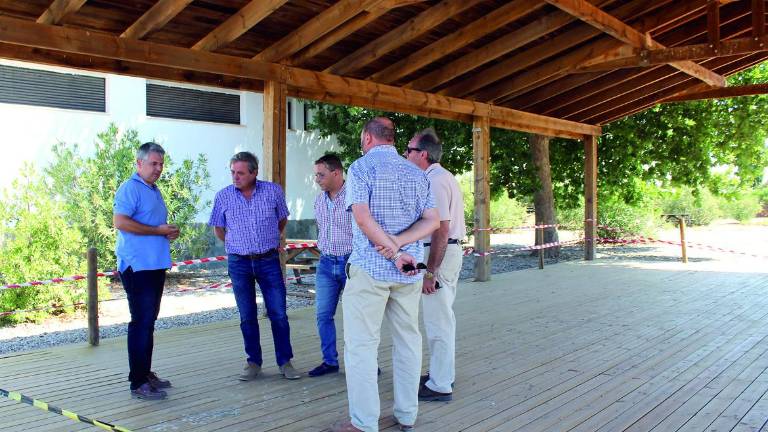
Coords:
443,249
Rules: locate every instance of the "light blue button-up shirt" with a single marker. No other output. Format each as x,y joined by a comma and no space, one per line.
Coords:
397,193
143,203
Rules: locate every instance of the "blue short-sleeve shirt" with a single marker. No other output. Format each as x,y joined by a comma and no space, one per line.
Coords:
143,203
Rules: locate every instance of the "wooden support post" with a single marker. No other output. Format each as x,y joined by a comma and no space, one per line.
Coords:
540,242
93,298
590,196
683,247
274,151
481,147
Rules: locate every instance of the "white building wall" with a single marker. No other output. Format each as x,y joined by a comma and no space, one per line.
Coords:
27,134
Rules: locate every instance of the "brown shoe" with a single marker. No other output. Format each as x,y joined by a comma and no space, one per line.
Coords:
147,392
250,372
157,382
344,426
289,372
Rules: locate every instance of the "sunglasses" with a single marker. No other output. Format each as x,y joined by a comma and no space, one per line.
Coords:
408,150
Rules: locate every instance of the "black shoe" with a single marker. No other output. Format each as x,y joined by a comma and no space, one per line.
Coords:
147,392
323,369
157,382
378,371
429,395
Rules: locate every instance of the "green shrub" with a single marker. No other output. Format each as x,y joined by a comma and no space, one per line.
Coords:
93,180
506,212
702,206
37,243
742,208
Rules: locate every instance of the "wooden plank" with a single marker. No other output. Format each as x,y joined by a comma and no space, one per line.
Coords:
155,18
315,28
411,29
58,11
72,40
720,93
239,23
590,196
713,24
275,112
758,18
616,28
481,150
456,40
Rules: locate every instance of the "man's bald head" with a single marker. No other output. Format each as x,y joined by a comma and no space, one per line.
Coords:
381,129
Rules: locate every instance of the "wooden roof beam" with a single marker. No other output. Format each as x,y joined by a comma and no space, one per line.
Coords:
720,93
456,40
346,29
155,18
58,10
616,28
405,32
493,75
22,32
315,28
237,24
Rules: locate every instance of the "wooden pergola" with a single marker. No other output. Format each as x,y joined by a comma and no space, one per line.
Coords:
555,68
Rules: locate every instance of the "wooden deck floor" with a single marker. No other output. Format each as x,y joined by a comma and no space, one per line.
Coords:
576,347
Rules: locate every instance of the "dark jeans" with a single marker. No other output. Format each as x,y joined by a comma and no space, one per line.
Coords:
329,283
144,290
245,273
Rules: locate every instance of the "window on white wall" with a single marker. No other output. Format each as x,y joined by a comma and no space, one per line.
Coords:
36,87
191,104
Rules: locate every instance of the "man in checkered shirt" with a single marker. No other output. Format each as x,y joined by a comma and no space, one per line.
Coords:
249,216
393,209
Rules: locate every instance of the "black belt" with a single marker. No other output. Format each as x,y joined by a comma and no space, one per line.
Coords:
258,255
450,241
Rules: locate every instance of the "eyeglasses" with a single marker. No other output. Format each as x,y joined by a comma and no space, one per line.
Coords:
408,150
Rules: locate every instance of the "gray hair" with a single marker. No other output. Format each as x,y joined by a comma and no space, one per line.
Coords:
381,128
428,141
253,161
149,147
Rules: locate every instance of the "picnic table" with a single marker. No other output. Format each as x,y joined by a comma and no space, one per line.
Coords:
301,255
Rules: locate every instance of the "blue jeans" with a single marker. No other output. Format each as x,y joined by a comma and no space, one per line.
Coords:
329,283
144,289
245,273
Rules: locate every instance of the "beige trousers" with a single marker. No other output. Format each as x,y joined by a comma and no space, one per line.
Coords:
440,322
366,302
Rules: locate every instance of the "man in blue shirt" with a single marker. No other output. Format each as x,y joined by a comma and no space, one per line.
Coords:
143,256
393,209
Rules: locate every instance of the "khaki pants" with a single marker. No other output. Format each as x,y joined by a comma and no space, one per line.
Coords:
366,301
440,322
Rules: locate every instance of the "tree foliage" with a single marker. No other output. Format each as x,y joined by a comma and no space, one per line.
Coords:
670,144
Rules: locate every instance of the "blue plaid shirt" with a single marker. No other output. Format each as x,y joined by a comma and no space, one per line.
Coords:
397,193
251,225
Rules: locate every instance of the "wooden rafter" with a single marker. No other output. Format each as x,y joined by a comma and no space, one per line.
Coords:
616,28
155,18
524,59
490,52
22,32
720,93
758,18
456,40
407,31
58,10
315,28
713,24
237,24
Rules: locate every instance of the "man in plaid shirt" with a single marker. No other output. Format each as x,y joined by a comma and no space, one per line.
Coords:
393,209
249,216
334,239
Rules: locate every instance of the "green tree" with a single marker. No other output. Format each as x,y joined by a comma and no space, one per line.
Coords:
87,185
671,144
37,243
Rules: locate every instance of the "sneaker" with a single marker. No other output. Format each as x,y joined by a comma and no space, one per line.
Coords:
289,372
429,395
157,382
323,369
250,372
147,392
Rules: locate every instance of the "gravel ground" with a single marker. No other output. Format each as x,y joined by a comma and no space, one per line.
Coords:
186,308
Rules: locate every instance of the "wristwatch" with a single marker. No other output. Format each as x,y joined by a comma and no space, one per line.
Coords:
428,274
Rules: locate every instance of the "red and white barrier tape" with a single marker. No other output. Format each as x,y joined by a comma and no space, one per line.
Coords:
55,280
471,250
649,240
516,228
